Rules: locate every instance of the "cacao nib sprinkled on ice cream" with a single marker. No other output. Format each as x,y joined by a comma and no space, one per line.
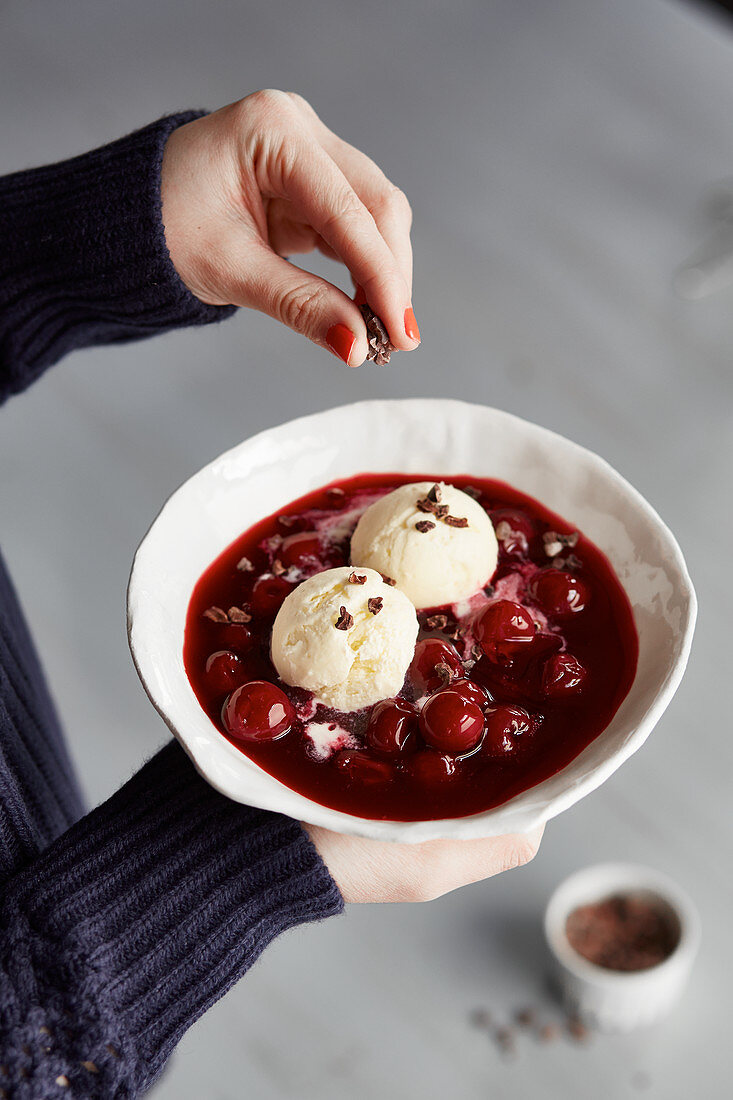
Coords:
345,620
375,604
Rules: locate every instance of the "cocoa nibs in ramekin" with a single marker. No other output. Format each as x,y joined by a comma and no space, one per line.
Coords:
623,932
380,347
345,621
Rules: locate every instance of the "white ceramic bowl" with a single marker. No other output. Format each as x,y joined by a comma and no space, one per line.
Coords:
618,1000
442,437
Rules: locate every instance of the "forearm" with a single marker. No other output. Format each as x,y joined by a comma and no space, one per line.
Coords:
127,928
83,256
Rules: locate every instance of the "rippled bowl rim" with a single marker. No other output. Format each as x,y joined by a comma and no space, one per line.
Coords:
156,646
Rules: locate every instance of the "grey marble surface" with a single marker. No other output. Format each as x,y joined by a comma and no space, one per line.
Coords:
556,153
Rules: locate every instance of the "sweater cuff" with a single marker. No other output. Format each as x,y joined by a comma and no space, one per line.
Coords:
167,893
85,258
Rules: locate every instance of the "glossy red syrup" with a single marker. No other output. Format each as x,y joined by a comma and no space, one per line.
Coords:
533,667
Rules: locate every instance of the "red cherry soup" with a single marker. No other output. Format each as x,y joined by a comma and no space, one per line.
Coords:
504,690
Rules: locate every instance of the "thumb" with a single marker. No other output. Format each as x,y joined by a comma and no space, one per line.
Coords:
304,302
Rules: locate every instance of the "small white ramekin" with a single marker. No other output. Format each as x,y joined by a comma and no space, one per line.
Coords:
613,1000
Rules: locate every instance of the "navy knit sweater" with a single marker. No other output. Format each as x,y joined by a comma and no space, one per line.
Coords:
118,929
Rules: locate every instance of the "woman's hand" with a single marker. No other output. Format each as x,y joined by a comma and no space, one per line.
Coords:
376,870
264,178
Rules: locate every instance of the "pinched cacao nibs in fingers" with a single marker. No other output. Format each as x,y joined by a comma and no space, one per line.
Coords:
380,346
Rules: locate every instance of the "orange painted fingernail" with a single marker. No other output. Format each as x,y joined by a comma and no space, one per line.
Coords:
411,325
341,340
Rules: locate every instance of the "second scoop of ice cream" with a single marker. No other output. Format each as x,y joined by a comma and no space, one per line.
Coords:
346,636
435,541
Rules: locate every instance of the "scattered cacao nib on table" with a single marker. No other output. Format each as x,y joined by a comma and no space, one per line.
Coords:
534,1022
380,347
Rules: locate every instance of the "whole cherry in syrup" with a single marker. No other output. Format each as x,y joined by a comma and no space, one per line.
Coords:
392,727
257,711
434,665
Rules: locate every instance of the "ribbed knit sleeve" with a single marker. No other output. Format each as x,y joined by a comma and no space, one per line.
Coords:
83,258
117,937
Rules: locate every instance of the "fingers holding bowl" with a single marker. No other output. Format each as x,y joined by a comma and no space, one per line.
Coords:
380,871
